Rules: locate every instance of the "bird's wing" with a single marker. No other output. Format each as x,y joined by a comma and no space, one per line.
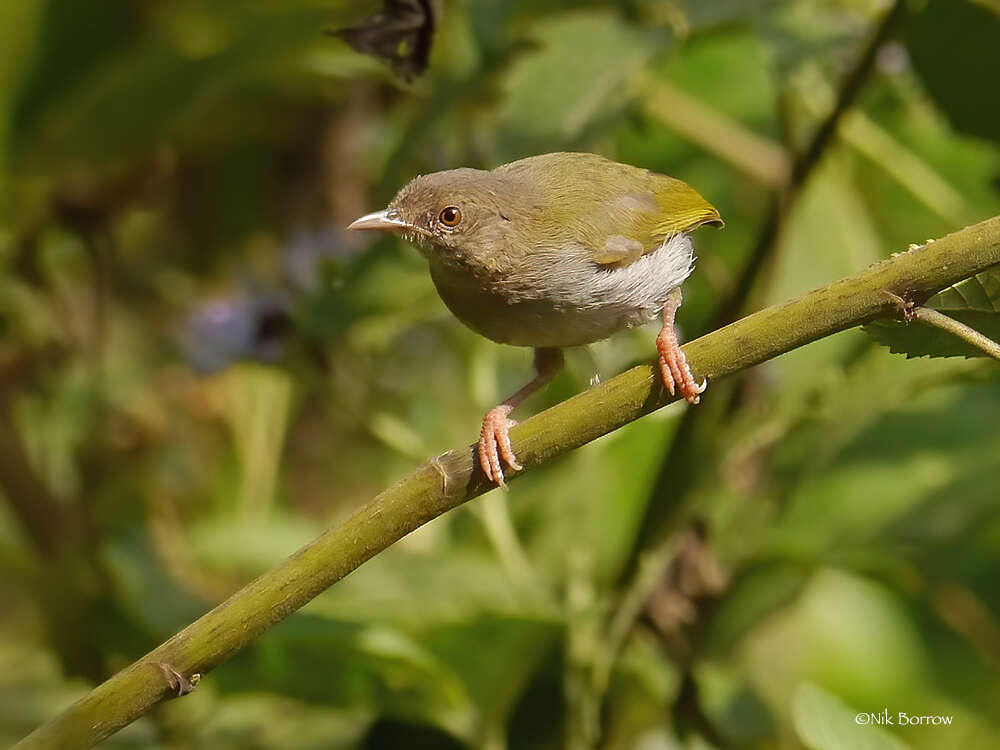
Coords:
642,222
615,212
684,210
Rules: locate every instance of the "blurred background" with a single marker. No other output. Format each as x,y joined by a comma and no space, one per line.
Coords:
200,370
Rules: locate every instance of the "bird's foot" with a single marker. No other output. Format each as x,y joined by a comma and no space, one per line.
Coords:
494,444
674,368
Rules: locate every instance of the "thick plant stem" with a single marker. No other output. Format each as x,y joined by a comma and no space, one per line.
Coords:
449,480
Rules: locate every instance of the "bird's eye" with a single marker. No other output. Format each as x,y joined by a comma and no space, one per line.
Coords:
450,217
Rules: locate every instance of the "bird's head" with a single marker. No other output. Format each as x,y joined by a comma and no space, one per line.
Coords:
459,216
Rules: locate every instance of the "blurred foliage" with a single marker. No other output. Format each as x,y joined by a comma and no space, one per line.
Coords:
199,370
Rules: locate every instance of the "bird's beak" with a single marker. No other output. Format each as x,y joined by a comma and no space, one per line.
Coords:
385,219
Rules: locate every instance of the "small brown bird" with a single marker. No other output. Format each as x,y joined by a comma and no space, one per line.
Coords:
552,251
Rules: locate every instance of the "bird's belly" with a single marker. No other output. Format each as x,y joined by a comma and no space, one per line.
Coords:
540,322
570,301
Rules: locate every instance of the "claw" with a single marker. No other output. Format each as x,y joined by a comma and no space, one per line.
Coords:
675,372
673,364
494,445
666,375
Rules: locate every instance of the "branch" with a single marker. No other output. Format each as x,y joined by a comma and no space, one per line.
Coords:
449,480
971,336
722,136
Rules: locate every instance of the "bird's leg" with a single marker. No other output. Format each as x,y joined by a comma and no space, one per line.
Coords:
673,364
494,439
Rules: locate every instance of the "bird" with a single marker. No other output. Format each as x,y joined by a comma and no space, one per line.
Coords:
553,251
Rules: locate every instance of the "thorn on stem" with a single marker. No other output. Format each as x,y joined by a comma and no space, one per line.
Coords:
180,684
438,465
906,308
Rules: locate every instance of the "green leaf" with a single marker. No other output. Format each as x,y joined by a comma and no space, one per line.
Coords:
759,592
262,721
574,76
370,668
975,302
824,722
980,293
493,677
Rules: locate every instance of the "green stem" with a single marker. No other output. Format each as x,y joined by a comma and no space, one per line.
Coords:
627,610
449,480
720,135
969,335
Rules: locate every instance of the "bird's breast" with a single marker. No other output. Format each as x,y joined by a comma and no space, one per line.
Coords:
561,297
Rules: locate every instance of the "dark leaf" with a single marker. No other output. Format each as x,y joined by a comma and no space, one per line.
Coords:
954,50
401,33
